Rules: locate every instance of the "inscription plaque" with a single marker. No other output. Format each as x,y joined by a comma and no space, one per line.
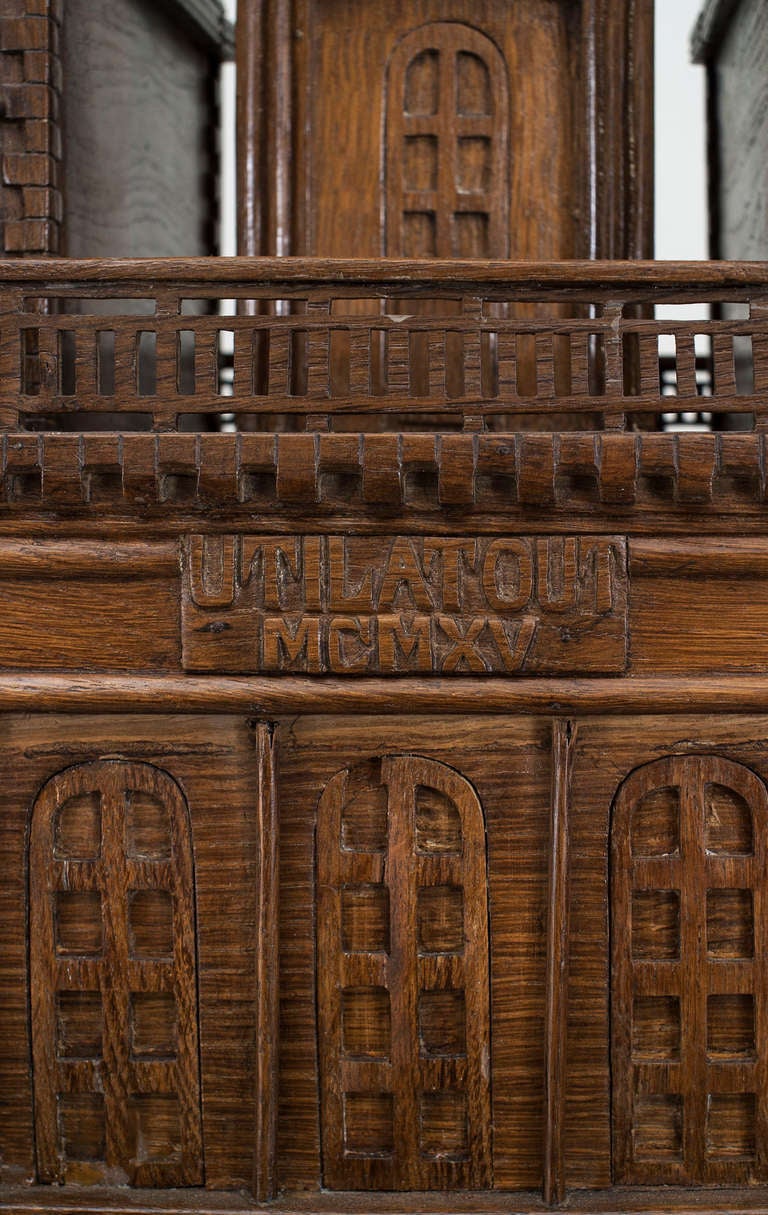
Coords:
389,605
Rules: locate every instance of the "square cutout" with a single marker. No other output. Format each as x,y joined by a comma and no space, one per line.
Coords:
657,1131
443,1133
365,918
728,821
369,1124
364,816
656,1028
731,1027
730,926
656,924
442,1024
655,827
79,1025
731,1126
156,1123
147,826
150,918
420,162
366,1022
154,1028
78,922
82,1125
438,824
77,832
440,919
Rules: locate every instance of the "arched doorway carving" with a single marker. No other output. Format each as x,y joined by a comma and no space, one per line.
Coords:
689,1012
402,969
113,978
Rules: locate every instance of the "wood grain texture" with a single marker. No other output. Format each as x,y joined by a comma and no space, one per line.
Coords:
687,980
393,605
607,753
158,694
218,776
160,87
267,1012
731,42
402,975
312,750
113,978
495,355
144,611
306,154
556,1025
31,129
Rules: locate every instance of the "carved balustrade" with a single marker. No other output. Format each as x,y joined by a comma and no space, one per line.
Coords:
413,385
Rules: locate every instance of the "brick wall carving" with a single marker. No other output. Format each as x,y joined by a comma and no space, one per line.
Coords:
30,127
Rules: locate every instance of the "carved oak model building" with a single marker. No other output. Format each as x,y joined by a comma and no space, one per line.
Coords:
384,799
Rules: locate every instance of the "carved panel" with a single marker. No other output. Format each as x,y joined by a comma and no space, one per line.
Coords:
402,968
446,145
689,981
389,605
113,979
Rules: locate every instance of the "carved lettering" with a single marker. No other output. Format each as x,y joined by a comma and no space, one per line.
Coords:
211,570
508,575
514,640
349,644
357,605
405,644
291,643
462,635
403,579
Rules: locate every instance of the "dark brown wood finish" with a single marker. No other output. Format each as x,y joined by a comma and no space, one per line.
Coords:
688,979
323,92
556,1026
267,1015
409,934
402,972
113,978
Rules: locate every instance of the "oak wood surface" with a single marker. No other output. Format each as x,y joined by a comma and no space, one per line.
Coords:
219,781
313,750
315,87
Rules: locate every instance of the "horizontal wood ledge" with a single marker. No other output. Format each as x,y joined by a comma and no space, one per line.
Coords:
54,1200
260,696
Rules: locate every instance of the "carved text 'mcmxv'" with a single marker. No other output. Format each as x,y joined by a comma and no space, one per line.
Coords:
393,604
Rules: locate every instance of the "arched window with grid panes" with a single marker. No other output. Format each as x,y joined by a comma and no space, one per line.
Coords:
402,973
689,986
113,979
446,145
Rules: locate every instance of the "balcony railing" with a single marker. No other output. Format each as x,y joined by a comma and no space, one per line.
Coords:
298,344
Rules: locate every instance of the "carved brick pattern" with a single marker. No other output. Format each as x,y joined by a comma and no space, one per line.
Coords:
116,1073
403,1002
30,128
418,473
690,1043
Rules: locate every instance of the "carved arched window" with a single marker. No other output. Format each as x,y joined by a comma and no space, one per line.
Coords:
447,145
402,971
113,979
689,1013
